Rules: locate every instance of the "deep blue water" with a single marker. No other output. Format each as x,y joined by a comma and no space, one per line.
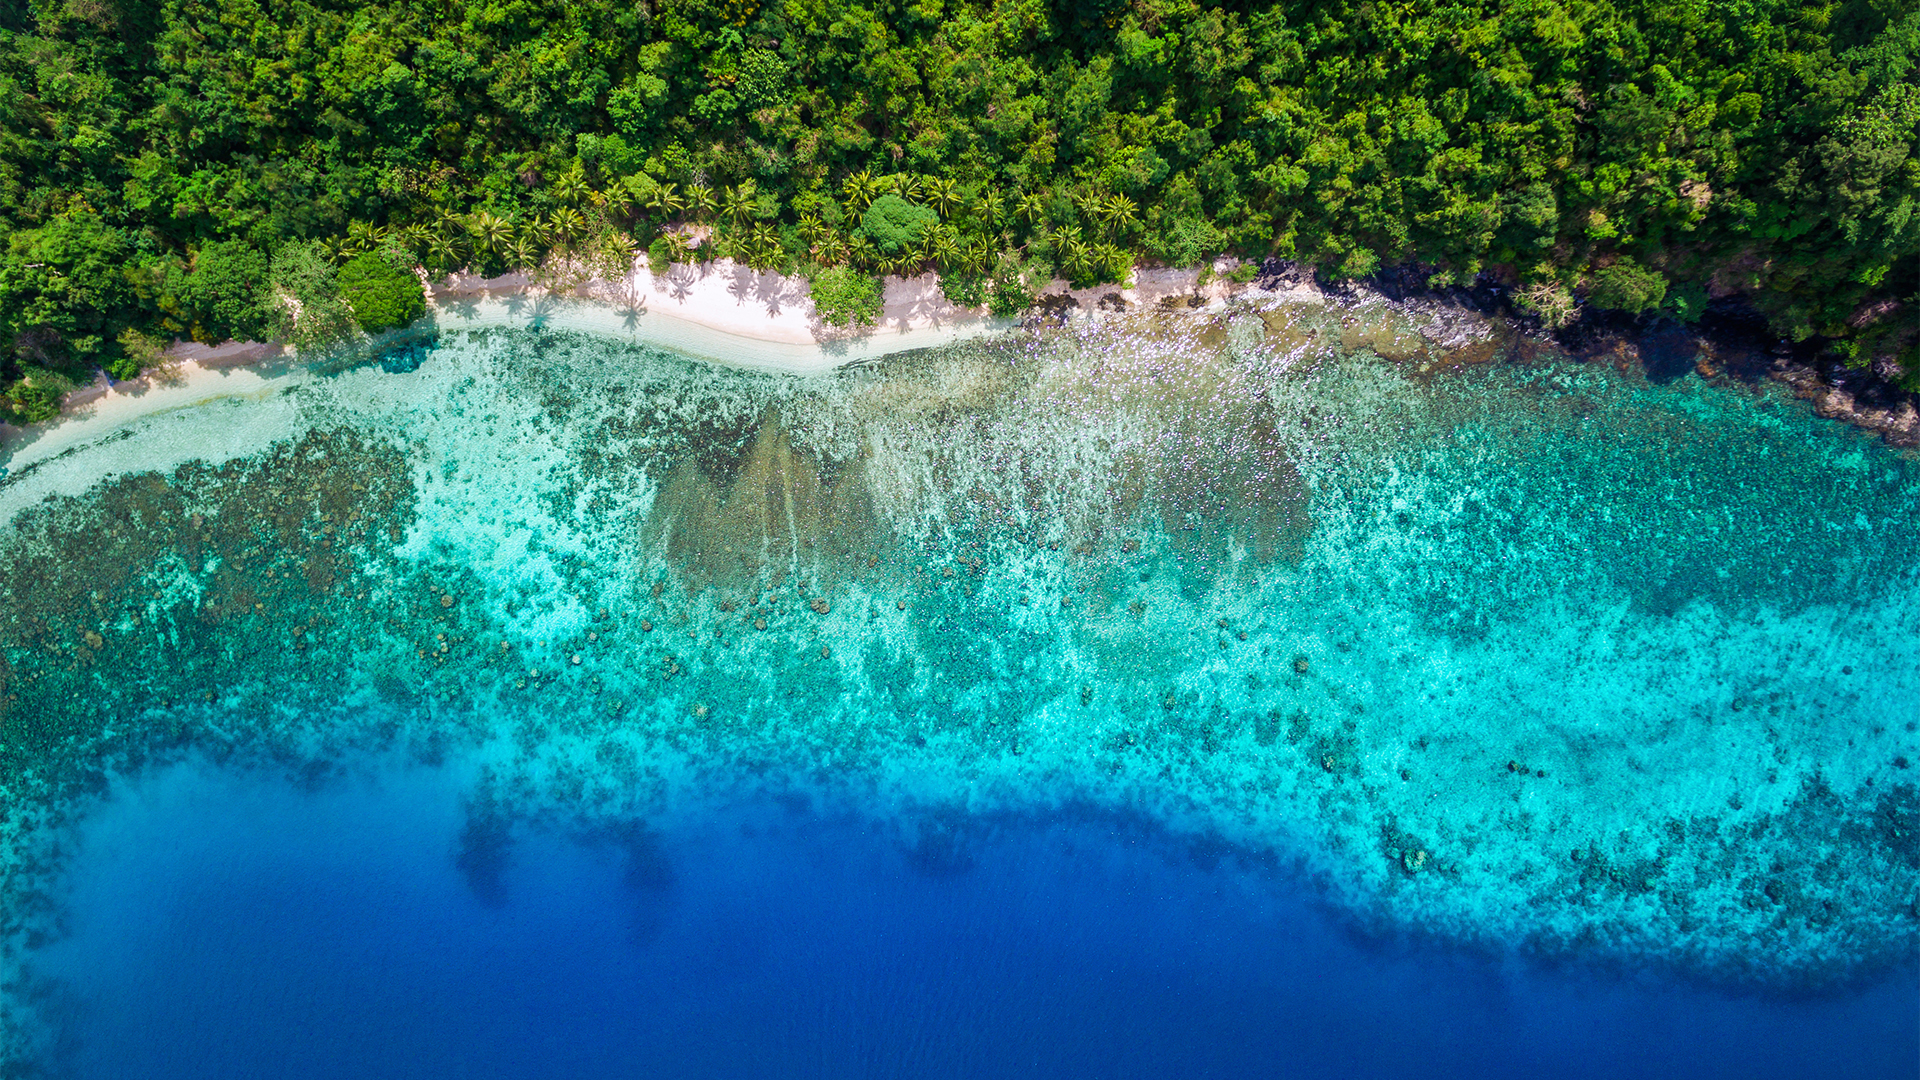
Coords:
237,926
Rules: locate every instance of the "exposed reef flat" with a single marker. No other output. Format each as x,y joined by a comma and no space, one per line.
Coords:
1489,645
764,321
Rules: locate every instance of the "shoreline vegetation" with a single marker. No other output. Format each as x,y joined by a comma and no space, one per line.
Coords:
732,314
213,170
721,312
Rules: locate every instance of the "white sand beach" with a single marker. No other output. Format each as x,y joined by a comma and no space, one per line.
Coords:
718,311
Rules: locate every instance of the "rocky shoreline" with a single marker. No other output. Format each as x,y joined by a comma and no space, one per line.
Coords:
1731,344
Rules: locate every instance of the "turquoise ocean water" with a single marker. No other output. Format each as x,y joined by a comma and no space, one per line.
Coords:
1365,649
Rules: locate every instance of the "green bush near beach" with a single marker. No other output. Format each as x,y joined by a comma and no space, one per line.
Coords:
845,297
892,223
383,296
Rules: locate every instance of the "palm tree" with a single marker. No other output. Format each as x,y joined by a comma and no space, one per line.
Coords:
1033,207
977,256
740,202
993,208
566,223
666,201
861,252
860,189
521,253
1088,203
811,230
617,202
831,250
943,195
1117,213
570,187
615,253
700,200
905,185
678,249
1075,255
490,231
365,236
442,251
764,250
937,245
411,237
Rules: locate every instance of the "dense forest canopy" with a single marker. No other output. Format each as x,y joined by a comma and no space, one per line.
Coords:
181,167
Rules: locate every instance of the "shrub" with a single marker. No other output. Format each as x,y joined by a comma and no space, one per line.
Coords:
36,397
1012,290
229,292
1547,299
308,309
892,223
1009,297
1628,286
382,295
141,352
660,254
964,289
845,297
1687,301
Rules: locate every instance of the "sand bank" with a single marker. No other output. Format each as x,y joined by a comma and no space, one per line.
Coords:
718,311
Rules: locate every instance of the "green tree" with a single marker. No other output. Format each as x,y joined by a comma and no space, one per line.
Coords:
229,291
1628,286
382,296
845,297
65,294
1769,147
893,224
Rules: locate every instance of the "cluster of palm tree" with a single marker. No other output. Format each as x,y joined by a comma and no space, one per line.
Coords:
860,189
1116,213
1084,261
970,234
449,240
453,240
975,248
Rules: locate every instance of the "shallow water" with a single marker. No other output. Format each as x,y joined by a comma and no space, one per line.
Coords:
1511,660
